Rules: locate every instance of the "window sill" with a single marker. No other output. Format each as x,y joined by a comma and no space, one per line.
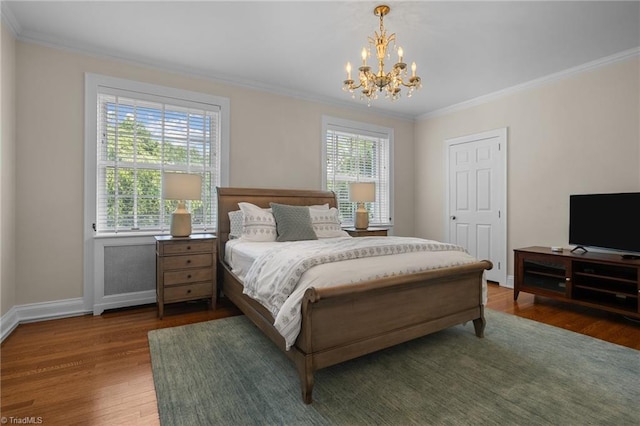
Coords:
131,234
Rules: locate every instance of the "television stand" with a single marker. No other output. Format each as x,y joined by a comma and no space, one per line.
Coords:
631,257
597,280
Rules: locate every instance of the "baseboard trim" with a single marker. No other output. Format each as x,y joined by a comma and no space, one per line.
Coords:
8,323
124,300
509,283
39,312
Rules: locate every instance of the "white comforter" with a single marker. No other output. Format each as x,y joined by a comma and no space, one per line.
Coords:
282,272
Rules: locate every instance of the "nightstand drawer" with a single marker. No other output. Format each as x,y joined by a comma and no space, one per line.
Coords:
186,247
193,261
187,292
188,276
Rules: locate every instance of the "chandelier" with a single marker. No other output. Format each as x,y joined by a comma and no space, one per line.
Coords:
373,82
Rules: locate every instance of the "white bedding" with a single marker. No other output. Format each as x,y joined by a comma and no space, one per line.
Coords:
240,254
243,255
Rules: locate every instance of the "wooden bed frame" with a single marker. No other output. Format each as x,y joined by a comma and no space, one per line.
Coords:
379,313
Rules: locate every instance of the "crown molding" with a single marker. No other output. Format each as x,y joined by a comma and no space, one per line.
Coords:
598,63
9,19
75,47
79,48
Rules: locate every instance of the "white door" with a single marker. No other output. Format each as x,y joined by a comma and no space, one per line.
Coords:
476,197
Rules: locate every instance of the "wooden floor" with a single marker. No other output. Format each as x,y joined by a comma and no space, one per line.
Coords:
96,370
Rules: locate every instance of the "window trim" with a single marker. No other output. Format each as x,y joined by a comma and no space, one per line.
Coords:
92,84
329,122
93,276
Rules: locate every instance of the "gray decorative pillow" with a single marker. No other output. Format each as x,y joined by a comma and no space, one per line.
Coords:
293,223
235,221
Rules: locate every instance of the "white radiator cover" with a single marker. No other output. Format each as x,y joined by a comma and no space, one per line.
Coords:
129,269
124,272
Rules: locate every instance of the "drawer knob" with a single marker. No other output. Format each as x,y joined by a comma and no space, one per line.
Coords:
188,291
188,247
188,261
189,276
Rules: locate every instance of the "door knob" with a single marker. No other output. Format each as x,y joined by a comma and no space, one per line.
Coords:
453,218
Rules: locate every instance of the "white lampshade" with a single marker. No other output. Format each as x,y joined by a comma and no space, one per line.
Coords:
181,186
362,192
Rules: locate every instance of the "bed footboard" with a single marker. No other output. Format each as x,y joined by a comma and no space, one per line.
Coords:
345,322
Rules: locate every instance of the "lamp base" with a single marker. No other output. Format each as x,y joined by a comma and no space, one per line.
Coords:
362,219
180,224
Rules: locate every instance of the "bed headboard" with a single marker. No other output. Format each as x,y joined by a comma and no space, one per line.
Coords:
228,199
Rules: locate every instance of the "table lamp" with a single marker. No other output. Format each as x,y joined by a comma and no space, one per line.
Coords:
181,187
362,192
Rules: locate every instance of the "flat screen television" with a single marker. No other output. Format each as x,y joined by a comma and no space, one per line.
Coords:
610,221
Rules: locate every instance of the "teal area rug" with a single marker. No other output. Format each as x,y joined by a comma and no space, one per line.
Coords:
226,372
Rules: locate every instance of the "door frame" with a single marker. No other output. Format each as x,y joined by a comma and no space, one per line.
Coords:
501,134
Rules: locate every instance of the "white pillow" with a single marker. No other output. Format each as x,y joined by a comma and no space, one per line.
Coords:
326,222
324,206
257,224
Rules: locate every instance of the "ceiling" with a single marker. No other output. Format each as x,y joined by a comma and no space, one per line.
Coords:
464,50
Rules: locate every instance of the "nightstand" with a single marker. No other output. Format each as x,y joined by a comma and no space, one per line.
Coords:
369,232
185,269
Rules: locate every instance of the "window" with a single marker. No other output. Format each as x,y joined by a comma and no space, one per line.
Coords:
142,131
358,152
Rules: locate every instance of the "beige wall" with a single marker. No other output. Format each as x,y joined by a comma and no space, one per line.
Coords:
275,141
580,134
7,171
575,135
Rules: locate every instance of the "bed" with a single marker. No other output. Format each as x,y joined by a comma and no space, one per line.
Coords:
381,312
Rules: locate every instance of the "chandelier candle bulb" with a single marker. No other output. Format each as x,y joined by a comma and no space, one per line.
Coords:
348,70
413,69
364,56
400,52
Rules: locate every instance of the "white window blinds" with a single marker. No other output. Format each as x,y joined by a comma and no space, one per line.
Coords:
140,136
354,152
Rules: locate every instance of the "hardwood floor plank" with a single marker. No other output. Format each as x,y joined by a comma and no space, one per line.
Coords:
97,369
591,322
